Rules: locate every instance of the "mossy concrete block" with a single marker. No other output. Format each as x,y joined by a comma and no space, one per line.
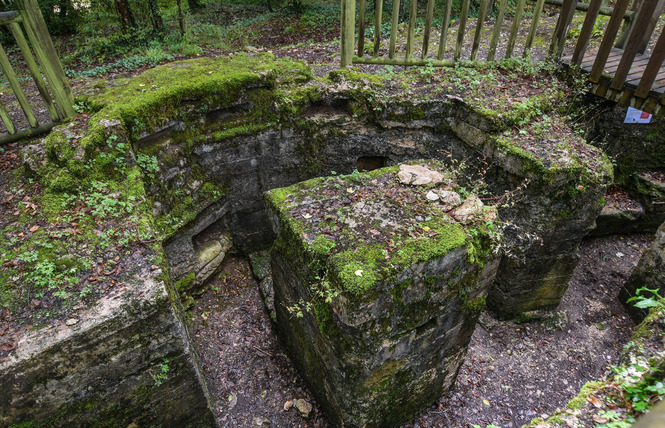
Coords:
377,291
616,219
649,187
649,272
124,361
635,149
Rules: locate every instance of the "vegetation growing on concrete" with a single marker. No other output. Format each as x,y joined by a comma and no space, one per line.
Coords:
88,185
363,229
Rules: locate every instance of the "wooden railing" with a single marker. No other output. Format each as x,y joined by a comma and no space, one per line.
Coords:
618,68
52,86
427,54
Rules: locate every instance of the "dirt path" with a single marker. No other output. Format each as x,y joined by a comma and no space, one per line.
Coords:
512,373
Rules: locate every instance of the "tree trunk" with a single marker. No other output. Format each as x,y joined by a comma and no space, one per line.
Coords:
126,16
194,4
156,17
181,17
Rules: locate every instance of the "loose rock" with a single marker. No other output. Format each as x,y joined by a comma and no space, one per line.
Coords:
449,199
304,408
418,175
471,208
260,421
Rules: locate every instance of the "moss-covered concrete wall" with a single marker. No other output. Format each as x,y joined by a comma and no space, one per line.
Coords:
215,165
377,309
215,146
126,360
188,148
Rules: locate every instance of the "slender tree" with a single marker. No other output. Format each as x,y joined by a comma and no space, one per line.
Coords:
156,17
181,17
126,17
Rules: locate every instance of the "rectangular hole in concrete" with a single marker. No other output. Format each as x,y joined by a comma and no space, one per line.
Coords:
370,163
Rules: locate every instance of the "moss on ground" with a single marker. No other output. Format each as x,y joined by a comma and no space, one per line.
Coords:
91,198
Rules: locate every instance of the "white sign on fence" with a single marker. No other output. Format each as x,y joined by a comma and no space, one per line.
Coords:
634,115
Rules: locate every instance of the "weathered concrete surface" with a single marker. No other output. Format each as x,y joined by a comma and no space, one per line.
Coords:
103,370
654,419
551,216
617,219
547,221
649,272
392,314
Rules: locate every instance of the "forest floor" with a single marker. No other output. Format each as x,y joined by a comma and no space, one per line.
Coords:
513,372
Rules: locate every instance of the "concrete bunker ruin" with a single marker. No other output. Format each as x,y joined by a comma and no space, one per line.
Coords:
209,147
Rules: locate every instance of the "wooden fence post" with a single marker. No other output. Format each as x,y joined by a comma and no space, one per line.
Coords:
561,29
45,51
348,31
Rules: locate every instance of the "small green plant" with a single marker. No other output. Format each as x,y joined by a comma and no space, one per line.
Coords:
80,106
643,302
614,420
148,163
427,72
162,373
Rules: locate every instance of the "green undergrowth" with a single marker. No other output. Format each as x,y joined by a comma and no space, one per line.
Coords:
68,242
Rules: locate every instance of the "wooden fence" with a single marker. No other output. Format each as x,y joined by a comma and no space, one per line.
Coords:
52,85
428,55
618,68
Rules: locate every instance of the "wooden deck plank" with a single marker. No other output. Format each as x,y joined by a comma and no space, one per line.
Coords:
634,41
659,82
608,39
633,78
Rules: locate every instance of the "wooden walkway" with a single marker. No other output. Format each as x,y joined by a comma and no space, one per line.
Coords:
632,80
623,74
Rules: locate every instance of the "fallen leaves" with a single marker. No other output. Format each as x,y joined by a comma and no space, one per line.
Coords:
595,402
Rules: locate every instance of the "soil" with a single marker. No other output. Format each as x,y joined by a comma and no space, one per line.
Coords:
618,198
513,371
248,373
